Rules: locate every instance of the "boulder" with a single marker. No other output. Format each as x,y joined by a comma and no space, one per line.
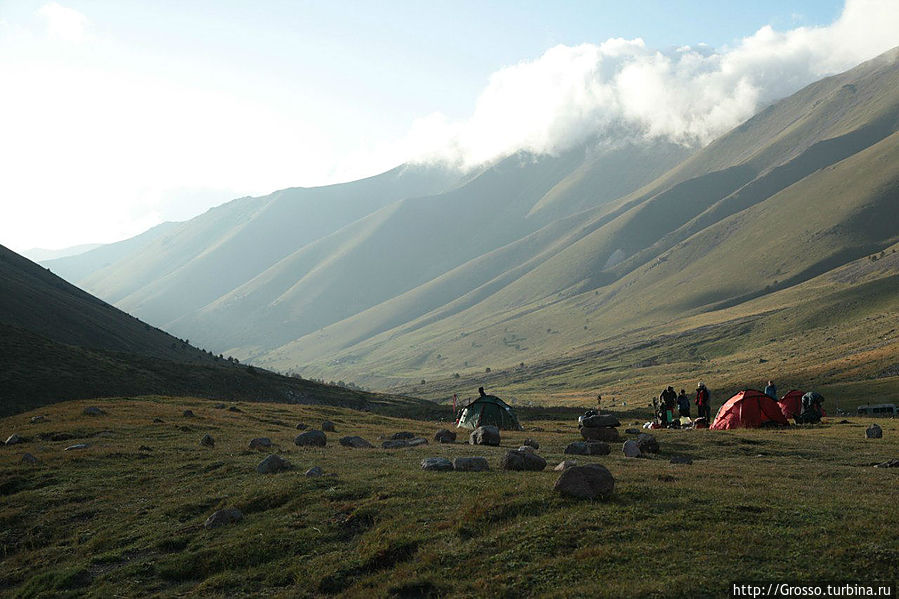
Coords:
311,438
77,446
207,441
188,414
874,432
647,443
314,472
445,436
29,459
441,464
599,434
522,460
223,517
92,411
416,441
328,427
600,421
475,464
565,464
38,419
592,481
894,463
397,444
484,435
273,463
526,449
402,435
531,443
260,443
588,448
631,449
13,439
681,459
356,442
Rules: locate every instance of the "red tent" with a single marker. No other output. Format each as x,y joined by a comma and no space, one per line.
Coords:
748,409
791,404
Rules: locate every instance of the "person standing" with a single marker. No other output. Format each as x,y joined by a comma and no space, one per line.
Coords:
771,390
683,404
702,402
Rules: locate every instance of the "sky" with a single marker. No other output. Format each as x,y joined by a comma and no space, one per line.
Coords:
118,115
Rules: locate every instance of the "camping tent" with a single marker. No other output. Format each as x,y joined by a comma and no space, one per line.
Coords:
791,404
748,409
489,409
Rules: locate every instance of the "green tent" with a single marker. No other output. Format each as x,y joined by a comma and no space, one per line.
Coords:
489,409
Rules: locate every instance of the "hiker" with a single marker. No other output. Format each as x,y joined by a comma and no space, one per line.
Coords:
481,392
598,402
811,409
683,404
668,399
771,390
702,401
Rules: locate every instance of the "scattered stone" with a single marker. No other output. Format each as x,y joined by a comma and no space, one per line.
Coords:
599,434
357,442
484,435
441,464
445,436
13,439
476,464
207,441
314,471
402,435
647,443
632,431
526,449
273,463
234,409
888,464
565,464
144,448
29,459
588,448
77,446
681,459
599,421
874,432
302,426
260,443
38,419
531,443
328,426
92,411
631,449
398,444
157,420
219,406
417,441
593,481
188,414
522,460
311,438
223,517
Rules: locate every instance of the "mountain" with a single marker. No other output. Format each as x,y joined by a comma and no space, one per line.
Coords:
40,254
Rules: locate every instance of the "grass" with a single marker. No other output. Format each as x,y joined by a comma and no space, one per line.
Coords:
118,519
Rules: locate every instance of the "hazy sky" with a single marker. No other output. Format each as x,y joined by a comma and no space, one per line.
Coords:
116,115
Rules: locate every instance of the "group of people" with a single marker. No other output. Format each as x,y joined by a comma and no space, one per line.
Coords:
670,403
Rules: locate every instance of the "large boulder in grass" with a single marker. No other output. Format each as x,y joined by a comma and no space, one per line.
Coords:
441,464
475,464
223,517
484,435
445,436
593,481
647,443
631,449
356,442
311,439
395,444
874,432
260,443
588,448
600,421
522,460
273,463
608,435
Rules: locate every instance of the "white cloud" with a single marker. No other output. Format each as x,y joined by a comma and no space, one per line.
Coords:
64,23
689,95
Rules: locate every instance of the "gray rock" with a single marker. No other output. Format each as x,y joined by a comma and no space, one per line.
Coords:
605,434
526,449
445,436
894,463
13,439
311,438
475,464
38,419
647,443
874,432
402,435
531,443
631,449
223,517
260,443
29,459
441,464
565,464
484,435
600,421
522,460
92,411
314,472
302,426
681,459
633,431
588,448
397,444
329,427
592,481
77,446
417,441
207,441
357,442
273,463
188,414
